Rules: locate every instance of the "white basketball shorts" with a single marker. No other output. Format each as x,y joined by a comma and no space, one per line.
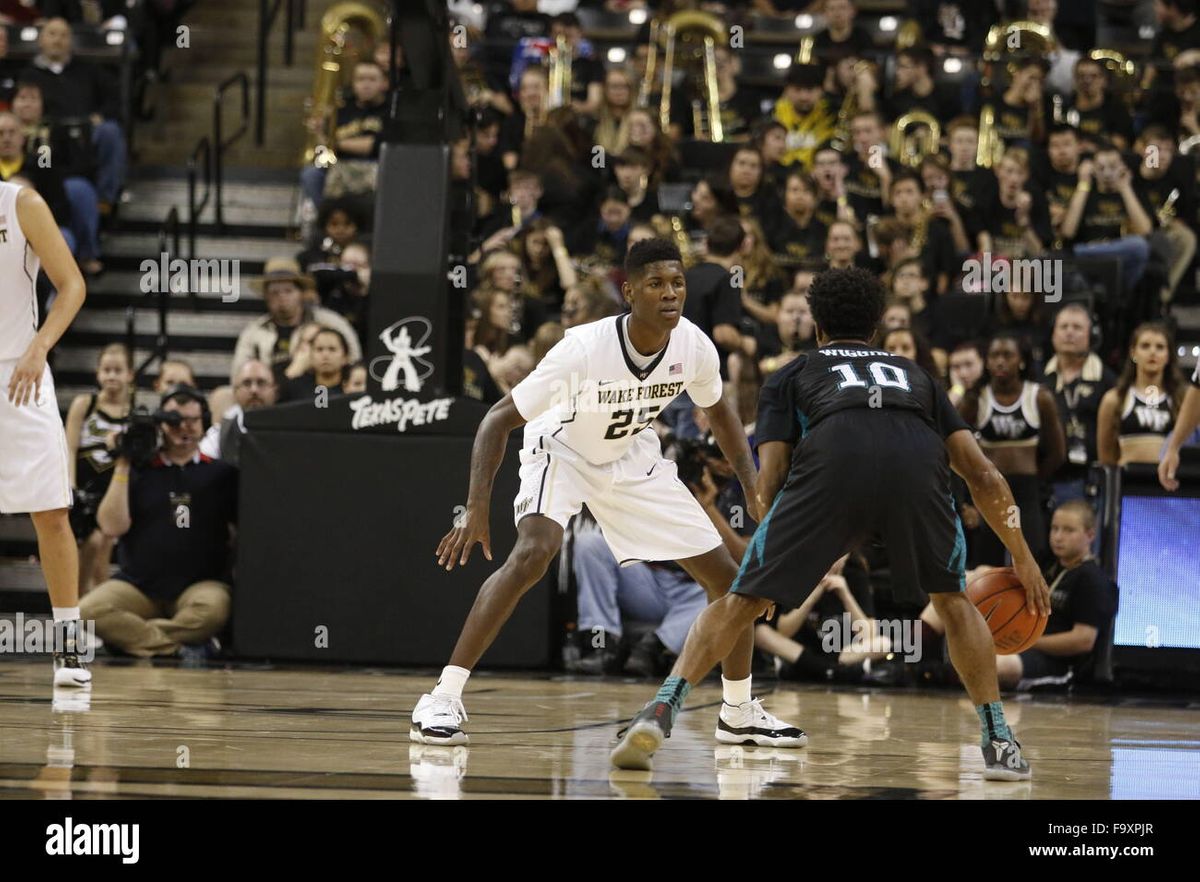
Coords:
645,512
33,450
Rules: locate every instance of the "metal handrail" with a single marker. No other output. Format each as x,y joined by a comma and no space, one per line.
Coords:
168,228
266,21
219,144
195,209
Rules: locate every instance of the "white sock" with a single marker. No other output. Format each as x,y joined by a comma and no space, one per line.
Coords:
736,691
66,613
452,681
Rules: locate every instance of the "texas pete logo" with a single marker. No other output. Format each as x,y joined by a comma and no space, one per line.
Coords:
405,340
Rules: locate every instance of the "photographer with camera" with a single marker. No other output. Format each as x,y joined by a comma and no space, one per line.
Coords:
173,510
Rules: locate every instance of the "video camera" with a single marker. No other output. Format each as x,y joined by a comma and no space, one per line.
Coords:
139,441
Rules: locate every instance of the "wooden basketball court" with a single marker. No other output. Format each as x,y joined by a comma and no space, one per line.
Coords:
245,731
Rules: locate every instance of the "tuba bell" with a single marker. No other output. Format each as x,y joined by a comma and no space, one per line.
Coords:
1008,42
348,32
914,136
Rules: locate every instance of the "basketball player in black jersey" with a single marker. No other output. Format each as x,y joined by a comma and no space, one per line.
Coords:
862,443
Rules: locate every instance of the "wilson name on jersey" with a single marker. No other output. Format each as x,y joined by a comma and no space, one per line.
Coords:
589,393
848,376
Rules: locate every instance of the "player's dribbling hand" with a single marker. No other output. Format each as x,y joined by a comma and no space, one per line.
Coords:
456,545
26,382
1037,593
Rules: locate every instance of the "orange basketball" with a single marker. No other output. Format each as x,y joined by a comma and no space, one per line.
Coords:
1000,598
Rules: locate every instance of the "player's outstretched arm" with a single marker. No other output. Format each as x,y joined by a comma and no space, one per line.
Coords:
1185,424
994,499
731,438
42,233
486,455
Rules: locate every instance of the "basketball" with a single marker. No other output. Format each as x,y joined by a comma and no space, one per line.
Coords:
1000,598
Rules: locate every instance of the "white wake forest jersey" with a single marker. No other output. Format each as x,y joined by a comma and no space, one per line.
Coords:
589,394
18,272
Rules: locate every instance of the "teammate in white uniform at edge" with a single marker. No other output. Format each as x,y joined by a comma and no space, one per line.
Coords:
587,410
34,476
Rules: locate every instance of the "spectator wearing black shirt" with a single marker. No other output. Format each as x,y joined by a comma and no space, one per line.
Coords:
1083,605
173,517
356,129
1017,222
1020,116
338,224
45,179
533,96
842,32
10,69
490,173
603,236
483,89
587,72
770,137
712,198
792,332
714,303
843,247
75,89
935,246
329,357
632,172
755,198
738,108
829,174
1179,31
1059,175
1109,220
973,188
798,236
1078,379
1161,173
870,170
935,175
508,22
916,88
1095,111
512,213
77,164
954,27
910,286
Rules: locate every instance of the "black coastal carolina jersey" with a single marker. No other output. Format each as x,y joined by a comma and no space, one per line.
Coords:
849,376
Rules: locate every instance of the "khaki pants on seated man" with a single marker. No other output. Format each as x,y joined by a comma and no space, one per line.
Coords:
145,626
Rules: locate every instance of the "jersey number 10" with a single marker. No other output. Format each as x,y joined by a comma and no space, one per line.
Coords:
882,374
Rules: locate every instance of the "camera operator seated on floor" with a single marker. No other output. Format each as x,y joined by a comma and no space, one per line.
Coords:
173,510
1083,606
832,634
658,598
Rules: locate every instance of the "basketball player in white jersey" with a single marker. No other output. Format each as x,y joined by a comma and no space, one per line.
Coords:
587,410
34,475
